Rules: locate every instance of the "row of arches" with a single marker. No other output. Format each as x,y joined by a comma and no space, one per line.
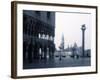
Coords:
37,50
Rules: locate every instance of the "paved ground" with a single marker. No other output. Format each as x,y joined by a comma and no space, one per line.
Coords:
57,62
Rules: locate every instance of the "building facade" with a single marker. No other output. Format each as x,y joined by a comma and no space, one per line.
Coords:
38,34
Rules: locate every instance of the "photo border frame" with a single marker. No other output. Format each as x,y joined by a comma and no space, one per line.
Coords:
14,37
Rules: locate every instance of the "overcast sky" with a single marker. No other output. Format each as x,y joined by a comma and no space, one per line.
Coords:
70,24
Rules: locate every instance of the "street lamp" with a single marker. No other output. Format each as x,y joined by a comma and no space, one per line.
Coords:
83,28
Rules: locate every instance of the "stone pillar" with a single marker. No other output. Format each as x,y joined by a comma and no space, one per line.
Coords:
83,39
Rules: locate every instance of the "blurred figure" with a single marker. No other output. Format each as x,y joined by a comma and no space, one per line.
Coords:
30,51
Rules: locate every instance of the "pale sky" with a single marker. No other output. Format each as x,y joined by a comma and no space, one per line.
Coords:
70,24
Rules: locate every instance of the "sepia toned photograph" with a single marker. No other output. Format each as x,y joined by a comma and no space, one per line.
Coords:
50,39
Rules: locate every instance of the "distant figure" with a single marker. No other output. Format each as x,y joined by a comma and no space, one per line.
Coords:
45,52
30,50
60,56
73,52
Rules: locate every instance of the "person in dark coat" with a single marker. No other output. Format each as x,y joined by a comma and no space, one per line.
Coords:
36,51
30,50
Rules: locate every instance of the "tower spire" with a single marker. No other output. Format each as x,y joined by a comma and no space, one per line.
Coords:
62,43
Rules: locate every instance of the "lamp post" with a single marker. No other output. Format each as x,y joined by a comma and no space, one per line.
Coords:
83,28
